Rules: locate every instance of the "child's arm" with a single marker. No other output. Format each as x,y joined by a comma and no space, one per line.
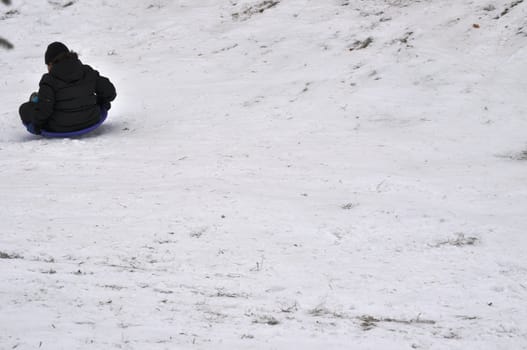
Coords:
46,101
105,92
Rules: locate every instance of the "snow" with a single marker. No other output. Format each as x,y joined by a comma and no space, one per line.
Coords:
262,182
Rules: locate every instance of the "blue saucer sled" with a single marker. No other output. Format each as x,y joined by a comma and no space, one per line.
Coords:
51,134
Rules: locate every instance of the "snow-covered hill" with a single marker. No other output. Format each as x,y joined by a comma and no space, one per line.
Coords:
294,174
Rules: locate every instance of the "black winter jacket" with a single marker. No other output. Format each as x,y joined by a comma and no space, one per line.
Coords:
70,97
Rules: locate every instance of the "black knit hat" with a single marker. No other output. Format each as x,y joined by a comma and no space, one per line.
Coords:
54,49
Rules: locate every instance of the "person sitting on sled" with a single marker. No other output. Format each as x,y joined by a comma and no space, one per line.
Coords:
72,96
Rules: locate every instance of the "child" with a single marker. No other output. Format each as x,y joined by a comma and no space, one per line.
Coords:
71,96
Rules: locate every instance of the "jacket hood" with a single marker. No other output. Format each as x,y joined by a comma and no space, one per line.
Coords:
69,70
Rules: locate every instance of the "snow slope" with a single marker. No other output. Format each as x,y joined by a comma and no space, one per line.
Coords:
274,175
